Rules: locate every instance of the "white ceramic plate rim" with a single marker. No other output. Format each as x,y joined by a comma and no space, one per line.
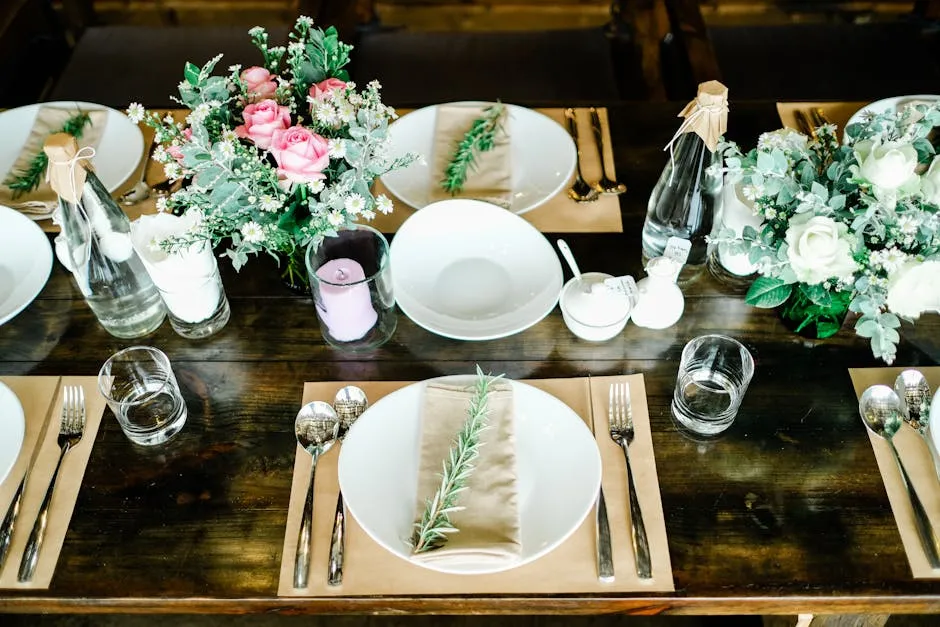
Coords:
886,104
29,261
12,430
406,184
504,325
116,157
403,405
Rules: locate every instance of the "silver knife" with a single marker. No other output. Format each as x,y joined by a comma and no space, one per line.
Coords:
9,521
603,550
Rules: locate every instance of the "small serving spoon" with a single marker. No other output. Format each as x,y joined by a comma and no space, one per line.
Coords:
882,410
912,388
350,403
316,428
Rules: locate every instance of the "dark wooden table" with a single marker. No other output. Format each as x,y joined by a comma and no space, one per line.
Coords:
785,514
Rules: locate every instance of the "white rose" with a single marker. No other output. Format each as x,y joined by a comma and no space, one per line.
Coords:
930,183
913,289
819,249
889,166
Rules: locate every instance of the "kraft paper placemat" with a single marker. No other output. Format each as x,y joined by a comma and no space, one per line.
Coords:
559,214
837,112
41,398
570,568
916,459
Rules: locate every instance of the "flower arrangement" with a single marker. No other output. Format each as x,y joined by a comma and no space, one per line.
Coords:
278,156
847,226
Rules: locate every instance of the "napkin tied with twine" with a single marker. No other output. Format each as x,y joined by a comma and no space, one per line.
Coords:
40,202
489,525
490,177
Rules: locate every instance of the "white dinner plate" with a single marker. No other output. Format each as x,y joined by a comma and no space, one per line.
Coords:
12,430
543,157
890,105
117,153
25,262
469,270
559,472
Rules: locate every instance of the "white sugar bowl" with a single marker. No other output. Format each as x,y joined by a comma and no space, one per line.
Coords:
592,310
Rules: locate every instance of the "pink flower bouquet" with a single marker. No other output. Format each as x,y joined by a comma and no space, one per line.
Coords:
279,156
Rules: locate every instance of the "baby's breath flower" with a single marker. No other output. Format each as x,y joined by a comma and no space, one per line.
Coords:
305,20
256,31
136,112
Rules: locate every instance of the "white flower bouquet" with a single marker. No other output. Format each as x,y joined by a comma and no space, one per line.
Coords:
851,225
278,156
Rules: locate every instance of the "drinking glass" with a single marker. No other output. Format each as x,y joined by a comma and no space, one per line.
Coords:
141,389
197,307
714,373
351,283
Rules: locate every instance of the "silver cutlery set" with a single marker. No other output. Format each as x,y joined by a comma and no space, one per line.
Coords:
581,190
883,410
71,429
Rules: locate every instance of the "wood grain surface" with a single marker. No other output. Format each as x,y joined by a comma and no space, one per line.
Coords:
785,514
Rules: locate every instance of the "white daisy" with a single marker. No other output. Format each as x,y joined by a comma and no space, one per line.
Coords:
336,218
229,135
315,187
354,204
384,204
269,203
252,232
337,149
136,112
161,203
325,113
367,214
173,170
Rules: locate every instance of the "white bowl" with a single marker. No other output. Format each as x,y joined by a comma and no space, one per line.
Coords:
608,318
558,473
890,105
469,270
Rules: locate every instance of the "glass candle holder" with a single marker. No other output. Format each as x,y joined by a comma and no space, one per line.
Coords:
197,307
351,285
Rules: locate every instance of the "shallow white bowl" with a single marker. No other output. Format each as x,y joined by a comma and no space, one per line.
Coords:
543,157
559,472
12,430
25,262
469,270
889,105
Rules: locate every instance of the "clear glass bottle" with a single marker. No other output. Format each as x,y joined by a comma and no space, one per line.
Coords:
684,199
95,246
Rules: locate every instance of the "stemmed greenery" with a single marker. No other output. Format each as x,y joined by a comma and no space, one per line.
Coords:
431,531
480,138
25,181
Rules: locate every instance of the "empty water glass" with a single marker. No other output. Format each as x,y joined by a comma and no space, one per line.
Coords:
141,389
714,373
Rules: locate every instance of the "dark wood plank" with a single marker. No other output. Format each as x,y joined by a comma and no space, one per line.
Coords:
785,514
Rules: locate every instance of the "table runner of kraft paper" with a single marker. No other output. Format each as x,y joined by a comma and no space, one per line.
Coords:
569,568
917,461
560,214
41,398
837,112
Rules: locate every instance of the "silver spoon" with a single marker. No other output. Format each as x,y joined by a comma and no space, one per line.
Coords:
912,387
349,404
605,185
579,191
881,410
316,428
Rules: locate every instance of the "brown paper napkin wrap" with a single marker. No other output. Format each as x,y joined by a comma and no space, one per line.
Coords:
570,568
560,214
49,120
489,523
916,459
41,398
490,176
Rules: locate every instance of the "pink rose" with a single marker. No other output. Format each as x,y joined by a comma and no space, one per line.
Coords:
325,89
259,83
300,154
261,121
175,151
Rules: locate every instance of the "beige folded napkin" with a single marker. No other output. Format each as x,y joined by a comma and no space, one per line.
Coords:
40,202
489,523
490,176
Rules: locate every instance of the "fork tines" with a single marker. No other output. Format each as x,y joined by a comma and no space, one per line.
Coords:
619,407
73,410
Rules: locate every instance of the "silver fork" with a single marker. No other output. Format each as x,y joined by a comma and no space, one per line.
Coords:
620,418
71,427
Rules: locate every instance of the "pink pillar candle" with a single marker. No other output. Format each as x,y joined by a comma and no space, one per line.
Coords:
346,302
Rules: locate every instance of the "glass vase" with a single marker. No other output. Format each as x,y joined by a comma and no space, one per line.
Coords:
813,320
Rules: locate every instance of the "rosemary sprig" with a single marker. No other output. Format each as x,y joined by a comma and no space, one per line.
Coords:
480,138
27,180
431,531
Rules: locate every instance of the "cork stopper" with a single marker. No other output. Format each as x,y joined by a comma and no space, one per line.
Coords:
67,181
707,115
